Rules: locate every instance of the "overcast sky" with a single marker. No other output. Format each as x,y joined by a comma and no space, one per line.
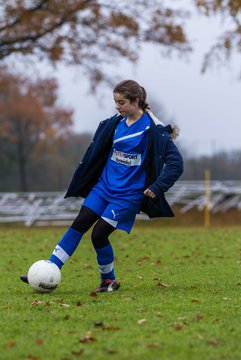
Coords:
205,107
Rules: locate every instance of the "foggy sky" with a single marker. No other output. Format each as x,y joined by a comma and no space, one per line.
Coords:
205,106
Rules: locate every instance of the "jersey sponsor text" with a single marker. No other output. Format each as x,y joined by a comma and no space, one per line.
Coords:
126,158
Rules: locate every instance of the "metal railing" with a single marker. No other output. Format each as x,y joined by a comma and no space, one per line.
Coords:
50,208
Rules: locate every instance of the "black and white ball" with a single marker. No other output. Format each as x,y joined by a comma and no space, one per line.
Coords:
44,276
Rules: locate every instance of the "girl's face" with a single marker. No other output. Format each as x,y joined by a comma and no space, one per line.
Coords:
124,106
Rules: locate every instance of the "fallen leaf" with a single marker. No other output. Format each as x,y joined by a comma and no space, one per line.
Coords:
153,346
32,357
11,343
140,260
199,317
78,352
35,303
39,341
48,303
141,321
65,305
217,321
99,324
164,285
178,326
111,327
195,301
214,342
111,352
141,310
87,266
93,294
159,314
140,277
191,286
87,338
78,303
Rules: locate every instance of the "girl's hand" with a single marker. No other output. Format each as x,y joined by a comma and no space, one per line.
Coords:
149,193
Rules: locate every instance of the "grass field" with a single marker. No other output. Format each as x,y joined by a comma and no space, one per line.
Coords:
180,297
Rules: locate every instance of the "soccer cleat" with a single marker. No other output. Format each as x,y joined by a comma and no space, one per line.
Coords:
24,278
108,285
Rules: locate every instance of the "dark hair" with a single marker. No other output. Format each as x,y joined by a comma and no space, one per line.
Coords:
132,90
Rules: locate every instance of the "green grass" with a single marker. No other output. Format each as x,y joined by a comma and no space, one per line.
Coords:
183,284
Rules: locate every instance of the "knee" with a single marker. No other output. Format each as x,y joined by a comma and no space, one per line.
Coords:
79,226
99,240
95,238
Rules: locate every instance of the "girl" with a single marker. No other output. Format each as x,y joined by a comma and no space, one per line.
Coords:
130,164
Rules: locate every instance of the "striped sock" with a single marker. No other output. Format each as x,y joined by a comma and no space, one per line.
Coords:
105,259
66,247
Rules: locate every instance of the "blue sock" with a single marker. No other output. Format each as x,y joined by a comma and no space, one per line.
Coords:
105,259
66,247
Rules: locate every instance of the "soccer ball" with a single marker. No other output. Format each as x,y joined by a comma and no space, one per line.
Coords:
44,276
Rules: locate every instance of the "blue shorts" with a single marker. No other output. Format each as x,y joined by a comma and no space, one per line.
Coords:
117,212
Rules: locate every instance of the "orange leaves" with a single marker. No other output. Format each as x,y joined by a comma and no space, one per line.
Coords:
11,343
89,33
199,317
39,341
118,19
30,110
30,118
209,7
87,338
56,52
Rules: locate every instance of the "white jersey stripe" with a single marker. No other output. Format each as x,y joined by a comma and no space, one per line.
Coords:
60,253
131,136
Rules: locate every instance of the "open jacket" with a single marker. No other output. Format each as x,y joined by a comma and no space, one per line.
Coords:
164,165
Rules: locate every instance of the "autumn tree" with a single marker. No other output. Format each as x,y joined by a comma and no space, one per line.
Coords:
29,118
88,32
94,32
229,41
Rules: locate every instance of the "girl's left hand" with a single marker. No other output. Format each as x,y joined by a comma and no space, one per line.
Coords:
149,193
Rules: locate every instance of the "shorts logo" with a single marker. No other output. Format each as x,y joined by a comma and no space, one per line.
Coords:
125,158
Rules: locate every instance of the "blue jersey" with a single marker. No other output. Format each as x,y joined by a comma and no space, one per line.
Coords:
124,175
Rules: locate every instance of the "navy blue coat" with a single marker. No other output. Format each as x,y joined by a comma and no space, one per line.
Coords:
164,165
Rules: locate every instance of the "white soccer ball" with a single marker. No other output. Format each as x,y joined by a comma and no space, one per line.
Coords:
44,276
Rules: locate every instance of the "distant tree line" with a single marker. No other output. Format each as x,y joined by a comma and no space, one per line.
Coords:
48,169
222,165
51,168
